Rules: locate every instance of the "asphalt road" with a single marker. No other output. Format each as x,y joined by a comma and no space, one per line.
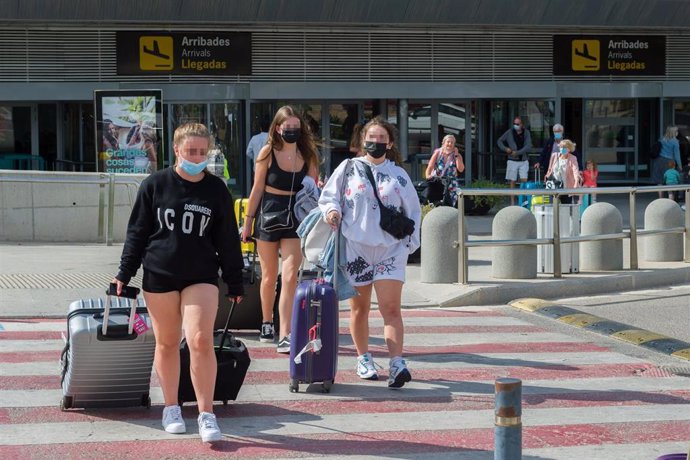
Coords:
665,310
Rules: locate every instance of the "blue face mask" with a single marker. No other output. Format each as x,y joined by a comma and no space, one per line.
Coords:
557,136
192,168
516,127
564,151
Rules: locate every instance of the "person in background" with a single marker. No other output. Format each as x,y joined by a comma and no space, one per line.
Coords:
375,259
563,168
257,141
670,150
516,143
672,177
289,155
183,229
589,176
356,141
551,147
446,163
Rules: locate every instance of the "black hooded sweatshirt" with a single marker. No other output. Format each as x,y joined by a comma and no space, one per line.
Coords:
185,230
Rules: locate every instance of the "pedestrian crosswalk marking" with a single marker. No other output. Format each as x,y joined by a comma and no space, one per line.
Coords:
572,390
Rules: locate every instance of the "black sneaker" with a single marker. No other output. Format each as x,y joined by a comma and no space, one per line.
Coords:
266,335
284,345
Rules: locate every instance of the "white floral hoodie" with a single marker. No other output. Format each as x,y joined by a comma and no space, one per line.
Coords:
361,217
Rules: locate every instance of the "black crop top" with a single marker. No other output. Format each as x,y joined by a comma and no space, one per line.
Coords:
282,180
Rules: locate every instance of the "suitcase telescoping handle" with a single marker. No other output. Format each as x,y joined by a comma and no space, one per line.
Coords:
128,292
227,324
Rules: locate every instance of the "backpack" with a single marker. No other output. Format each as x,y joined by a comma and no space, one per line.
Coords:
656,150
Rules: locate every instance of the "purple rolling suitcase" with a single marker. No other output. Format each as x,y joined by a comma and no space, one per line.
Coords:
314,335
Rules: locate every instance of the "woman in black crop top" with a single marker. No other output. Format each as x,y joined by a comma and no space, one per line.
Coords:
289,155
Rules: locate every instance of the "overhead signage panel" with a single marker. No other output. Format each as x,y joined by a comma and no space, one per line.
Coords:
182,53
609,55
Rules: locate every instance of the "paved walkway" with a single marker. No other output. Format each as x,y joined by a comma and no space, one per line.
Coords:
580,400
42,279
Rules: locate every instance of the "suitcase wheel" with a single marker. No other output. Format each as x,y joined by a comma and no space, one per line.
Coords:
225,402
146,400
66,403
180,402
326,386
294,386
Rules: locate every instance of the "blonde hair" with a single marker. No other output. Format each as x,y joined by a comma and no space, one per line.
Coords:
671,132
192,130
567,143
448,136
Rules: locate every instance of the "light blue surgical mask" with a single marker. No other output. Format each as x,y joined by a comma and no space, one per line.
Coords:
192,168
564,151
516,127
558,136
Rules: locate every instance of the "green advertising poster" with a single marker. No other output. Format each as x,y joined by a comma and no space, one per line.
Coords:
129,131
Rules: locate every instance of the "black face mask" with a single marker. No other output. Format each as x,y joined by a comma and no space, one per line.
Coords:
291,135
375,149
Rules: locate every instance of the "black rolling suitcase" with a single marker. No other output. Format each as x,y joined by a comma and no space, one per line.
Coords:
233,361
248,316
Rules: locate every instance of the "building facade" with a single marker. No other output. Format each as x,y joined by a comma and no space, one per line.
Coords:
615,73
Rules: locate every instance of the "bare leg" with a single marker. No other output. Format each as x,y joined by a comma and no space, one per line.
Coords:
166,318
200,305
388,293
359,318
291,254
268,258
512,198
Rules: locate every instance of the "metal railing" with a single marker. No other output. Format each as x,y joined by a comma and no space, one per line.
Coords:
462,243
105,181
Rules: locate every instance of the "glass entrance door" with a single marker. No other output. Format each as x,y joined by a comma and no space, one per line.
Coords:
224,121
610,137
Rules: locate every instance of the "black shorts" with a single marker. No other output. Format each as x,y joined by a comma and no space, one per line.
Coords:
273,202
156,283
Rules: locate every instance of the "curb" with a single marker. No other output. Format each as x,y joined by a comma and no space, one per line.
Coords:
570,286
624,332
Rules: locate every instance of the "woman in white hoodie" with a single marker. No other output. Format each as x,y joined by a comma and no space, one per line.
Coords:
375,258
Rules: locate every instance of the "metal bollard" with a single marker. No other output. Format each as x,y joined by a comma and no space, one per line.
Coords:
508,422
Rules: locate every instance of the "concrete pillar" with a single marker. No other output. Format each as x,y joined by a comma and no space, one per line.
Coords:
661,214
439,258
598,219
514,262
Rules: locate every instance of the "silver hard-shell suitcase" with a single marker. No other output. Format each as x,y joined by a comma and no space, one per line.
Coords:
105,363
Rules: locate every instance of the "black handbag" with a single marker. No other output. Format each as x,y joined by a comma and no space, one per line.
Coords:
275,220
394,222
552,184
435,190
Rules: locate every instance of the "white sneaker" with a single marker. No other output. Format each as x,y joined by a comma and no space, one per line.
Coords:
208,427
366,368
173,421
398,374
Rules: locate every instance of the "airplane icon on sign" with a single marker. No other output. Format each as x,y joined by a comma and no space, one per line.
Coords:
586,55
156,52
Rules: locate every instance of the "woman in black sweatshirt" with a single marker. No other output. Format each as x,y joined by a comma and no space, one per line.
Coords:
183,229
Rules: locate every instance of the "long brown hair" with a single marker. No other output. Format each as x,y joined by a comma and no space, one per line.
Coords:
305,143
392,153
